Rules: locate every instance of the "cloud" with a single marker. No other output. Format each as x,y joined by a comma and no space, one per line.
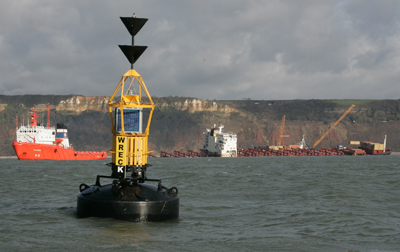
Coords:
207,49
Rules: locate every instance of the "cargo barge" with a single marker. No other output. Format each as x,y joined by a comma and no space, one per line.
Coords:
363,148
267,151
217,141
368,148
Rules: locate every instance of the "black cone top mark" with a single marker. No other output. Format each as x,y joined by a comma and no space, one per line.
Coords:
133,24
132,53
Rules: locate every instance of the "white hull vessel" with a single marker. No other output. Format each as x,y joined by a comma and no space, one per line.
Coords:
220,143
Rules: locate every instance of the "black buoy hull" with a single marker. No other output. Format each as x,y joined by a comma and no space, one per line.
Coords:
141,202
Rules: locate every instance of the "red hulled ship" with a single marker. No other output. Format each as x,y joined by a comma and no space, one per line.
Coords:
37,142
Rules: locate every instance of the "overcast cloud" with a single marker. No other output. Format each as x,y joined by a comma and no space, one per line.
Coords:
210,49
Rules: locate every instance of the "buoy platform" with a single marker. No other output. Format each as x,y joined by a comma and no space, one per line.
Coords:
132,201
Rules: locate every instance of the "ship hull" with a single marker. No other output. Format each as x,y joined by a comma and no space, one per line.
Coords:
34,151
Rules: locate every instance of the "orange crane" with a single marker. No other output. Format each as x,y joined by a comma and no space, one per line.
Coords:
333,126
281,130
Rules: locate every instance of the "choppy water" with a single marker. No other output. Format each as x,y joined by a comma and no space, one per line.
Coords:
349,203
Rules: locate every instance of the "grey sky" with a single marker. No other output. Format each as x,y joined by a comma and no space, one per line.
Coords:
210,49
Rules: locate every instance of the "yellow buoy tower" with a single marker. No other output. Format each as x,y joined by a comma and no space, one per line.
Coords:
130,139
129,197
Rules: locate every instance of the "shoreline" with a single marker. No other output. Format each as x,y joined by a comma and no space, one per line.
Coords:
15,157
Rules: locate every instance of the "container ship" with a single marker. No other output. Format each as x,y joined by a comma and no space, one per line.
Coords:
37,142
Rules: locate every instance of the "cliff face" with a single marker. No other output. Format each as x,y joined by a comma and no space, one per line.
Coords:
198,105
76,103
79,104
178,122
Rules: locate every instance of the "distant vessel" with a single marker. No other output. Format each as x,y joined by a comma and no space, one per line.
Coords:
37,142
368,148
219,143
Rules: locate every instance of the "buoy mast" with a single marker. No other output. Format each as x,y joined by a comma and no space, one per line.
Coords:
130,142
129,197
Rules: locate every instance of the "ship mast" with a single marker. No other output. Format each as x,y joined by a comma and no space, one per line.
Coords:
34,117
48,107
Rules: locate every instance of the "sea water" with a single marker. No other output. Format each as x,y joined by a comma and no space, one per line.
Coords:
349,203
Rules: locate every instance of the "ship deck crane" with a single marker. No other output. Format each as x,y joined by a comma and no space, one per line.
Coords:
281,130
333,126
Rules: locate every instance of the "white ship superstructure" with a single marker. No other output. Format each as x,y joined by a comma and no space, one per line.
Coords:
220,143
40,134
